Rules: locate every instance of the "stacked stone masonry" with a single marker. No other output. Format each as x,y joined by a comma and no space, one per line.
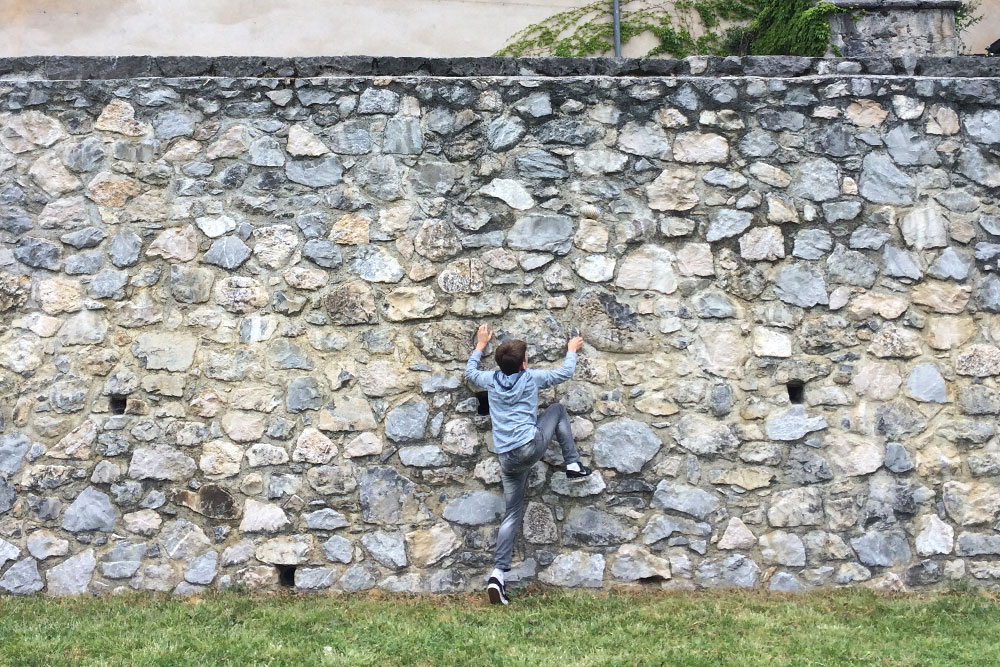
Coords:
234,314
901,28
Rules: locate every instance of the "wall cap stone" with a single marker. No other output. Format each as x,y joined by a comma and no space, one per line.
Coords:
131,67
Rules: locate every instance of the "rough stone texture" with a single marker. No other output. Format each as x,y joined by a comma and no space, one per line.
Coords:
280,301
895,29
92,510
576,569
285,550
635,563
22,578
625,445
72,576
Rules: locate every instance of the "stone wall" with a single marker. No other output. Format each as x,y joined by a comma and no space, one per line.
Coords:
236,310
895,27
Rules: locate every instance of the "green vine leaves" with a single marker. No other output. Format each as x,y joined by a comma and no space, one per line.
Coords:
587,30
683,28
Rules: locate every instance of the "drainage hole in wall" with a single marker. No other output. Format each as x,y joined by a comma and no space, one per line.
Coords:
795,391
286,575
118,404
484,404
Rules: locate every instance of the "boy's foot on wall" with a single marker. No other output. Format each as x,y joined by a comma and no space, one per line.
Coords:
577,470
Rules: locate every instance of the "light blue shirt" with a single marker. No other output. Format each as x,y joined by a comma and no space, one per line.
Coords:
514,398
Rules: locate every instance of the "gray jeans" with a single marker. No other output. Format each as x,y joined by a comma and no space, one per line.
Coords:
515,466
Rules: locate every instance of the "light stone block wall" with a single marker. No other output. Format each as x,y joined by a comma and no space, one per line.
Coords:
278,279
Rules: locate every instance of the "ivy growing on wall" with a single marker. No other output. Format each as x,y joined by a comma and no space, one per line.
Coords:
966,16
587,31
771,27
792,27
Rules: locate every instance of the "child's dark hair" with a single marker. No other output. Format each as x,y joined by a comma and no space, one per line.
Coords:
510,355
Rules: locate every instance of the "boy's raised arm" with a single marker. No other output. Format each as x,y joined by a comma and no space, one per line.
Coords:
564,372
472,372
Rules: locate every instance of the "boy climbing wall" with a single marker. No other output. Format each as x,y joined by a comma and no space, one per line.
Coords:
520,437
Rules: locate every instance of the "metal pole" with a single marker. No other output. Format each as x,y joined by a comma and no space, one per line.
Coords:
616,10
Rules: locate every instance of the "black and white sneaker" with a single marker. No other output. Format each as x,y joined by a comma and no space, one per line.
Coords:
497,592
584,471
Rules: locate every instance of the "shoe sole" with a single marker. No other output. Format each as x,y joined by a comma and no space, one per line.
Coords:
495,596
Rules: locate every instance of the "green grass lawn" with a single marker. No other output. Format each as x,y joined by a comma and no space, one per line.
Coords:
554,628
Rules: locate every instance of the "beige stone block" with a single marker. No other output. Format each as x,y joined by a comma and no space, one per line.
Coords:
700,148
877,380
695,259
736,536
771,343
243,427
113,190
177,244
649,268
77,444
866,113
119,117
866,305
231,143
50,174
301,142
942,120
348,414
304,278
591,236
412,303
744,477
853,456
144,522
60,295
771,175
220,459
948,333
428,546
351,229
762,244
780,209
721,350
656,403
365,444
673,190
941,297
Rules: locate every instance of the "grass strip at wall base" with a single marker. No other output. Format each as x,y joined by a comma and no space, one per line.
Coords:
836,627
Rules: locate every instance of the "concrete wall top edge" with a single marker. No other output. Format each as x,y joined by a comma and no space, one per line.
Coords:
129,67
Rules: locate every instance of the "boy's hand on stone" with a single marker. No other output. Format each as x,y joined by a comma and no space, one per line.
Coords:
574,344
483,336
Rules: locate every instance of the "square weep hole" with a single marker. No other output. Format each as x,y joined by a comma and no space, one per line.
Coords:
118,403
483,408
286,575
796,389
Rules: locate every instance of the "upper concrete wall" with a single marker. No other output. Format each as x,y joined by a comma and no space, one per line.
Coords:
267,27
295,27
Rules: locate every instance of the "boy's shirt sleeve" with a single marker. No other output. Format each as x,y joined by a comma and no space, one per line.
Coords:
548,378
482,378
